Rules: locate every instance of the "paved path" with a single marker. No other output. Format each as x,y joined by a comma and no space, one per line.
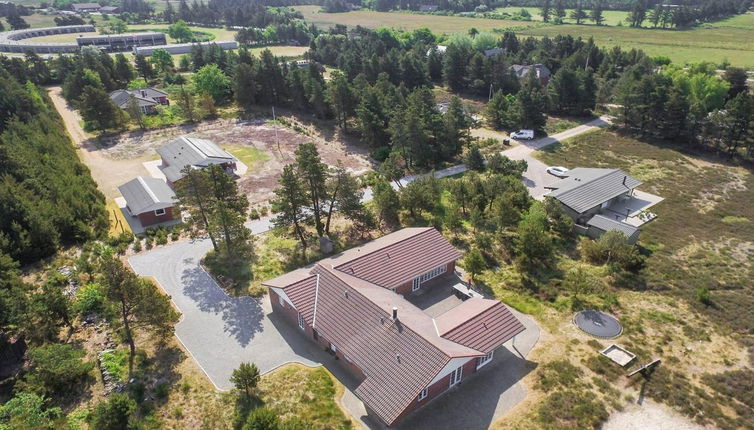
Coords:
220,331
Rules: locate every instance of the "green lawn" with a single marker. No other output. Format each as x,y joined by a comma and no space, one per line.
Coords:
704,233
248,155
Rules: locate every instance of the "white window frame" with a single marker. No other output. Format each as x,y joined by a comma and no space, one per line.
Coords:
159,212
301,321
456,376
334,348
437,271
423,394
481,361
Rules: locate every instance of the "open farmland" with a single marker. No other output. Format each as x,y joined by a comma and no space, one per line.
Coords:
612,17
405,21
730,39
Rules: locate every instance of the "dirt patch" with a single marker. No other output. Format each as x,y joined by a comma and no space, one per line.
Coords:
649,416
709,197
278,143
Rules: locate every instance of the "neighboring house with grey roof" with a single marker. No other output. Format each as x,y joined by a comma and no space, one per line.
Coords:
541,71
197,153
353,304
85,7
596,199
147,98
149,199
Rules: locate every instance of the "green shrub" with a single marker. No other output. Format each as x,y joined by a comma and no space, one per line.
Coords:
148,242
115,414
704,296
116,363
572,410
28,411
54,368
89,298
254,214
559,373
137,246
161,391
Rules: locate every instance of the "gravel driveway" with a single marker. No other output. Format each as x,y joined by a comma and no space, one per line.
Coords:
220,331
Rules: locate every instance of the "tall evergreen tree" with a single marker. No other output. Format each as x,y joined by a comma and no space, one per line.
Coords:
99,111
596,14
290,204
546,10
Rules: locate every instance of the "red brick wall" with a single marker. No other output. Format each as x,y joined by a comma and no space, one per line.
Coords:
149,218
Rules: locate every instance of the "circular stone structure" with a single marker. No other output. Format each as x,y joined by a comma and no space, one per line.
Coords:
598,324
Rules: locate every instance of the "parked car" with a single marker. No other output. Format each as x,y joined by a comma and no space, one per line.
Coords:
559,171
523,135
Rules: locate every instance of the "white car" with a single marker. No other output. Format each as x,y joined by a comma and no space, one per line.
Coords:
559,171
523,135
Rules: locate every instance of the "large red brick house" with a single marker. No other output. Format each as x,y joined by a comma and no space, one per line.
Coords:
150,199
353,304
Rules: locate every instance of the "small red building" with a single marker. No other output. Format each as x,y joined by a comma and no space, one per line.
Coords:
354,305
149,199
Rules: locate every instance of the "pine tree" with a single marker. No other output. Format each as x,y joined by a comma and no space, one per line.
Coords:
290,204
138,303
474,159
134,111
560,11
534,246
144,67
531,103
313,173
99,111
372,120
454,68
596,14
578,13
340,97
244,86
501,111
123,72
457,124
545,10
386,201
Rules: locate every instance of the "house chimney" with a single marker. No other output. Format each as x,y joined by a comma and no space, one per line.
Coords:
395,313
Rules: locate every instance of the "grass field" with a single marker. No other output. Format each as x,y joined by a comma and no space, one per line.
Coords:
612,17
405,21
703,236
730,39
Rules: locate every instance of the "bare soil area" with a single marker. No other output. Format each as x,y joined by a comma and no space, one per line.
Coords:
116,159
649,416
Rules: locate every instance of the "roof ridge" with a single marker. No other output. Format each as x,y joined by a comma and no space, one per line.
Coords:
487,309
338,274
425,229
148,190
610,171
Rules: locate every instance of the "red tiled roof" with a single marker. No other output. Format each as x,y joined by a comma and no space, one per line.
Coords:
301,294
480,324
344,298
397,362
408,258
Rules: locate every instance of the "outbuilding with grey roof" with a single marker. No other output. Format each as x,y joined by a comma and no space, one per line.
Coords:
149,199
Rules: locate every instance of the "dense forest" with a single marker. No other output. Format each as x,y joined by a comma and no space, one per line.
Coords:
48,198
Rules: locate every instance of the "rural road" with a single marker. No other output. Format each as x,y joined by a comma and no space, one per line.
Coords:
106,173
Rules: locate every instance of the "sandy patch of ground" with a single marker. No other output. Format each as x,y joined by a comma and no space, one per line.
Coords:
125,152
709,197
649,416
